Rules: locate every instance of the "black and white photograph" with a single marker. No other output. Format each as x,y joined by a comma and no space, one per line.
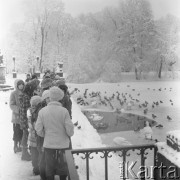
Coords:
89,89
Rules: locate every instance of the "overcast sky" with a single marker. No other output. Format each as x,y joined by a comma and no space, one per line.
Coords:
11,12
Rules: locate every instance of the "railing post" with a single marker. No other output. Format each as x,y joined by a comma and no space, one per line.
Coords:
106,165
142,163
87,165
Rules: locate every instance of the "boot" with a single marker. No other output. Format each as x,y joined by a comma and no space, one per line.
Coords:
25,155
36,171
63,177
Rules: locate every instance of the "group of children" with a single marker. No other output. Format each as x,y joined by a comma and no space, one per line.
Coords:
41,117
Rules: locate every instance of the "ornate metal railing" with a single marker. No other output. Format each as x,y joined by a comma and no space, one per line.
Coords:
122,152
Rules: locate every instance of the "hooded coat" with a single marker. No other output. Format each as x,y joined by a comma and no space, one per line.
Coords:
14,103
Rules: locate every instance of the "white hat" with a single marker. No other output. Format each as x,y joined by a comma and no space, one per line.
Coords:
45,95
56,94
35,100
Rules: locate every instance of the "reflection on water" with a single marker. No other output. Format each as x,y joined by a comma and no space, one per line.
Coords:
106,122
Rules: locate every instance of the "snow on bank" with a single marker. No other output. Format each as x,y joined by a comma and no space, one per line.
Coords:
169,153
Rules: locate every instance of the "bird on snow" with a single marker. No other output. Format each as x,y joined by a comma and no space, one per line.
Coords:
137,129
169,118
145,111
154,116
79,127
76,123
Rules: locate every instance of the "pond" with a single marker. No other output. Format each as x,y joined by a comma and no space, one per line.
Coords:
107,122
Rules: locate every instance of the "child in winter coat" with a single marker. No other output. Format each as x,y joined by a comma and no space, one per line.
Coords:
32,114
55,123
15,107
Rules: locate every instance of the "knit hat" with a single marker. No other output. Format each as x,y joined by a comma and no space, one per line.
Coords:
57,77
60,82
47,82
45,95
56,94
35,100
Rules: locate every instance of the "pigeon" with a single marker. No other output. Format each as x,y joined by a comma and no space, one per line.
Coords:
5,102
170,100
172,104
154,116
76,123
159,126
153,106
137,129
161,101
169,118
145,111
159,89
79,127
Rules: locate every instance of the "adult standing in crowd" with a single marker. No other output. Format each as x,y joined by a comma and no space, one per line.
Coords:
54,123
30,89
15,107
28,78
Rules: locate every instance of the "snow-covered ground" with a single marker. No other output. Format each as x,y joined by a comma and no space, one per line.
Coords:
11,166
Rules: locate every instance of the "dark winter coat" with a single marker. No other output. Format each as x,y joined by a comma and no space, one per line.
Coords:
24,100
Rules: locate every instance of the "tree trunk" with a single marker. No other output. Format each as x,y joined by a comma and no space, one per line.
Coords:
42,48
160,69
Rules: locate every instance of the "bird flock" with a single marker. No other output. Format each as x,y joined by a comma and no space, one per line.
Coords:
123,100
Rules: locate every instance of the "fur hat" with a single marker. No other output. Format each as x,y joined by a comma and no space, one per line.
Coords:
45,95
35,100
56,94
47,82
31,86
34,83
